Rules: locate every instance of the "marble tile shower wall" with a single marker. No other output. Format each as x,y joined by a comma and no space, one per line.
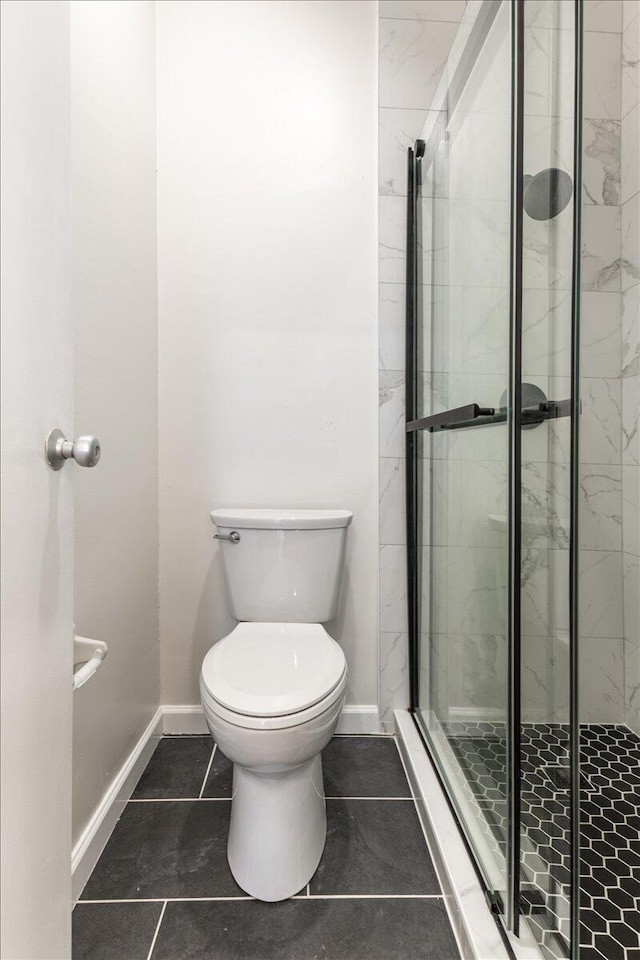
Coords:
422,33
630,356
415,40
601,602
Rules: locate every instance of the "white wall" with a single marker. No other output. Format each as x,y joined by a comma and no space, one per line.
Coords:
37,544
114,309
267,315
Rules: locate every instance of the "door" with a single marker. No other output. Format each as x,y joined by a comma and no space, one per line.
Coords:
491,459
37,521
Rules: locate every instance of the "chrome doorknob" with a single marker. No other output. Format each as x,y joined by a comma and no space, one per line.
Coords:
85,450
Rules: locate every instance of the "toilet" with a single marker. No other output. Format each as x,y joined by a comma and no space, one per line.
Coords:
272,689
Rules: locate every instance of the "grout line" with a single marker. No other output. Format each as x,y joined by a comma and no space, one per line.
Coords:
395,799
164,899
368,736
180,800
228,799
155,936
204,782
308,891
298,896
369,896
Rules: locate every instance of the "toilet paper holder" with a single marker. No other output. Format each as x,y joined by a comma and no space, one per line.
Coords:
89,654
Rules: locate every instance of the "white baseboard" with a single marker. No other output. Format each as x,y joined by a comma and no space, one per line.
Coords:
359,719
93,840
183,718
173,719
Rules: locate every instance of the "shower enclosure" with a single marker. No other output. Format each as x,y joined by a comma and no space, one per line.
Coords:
503,517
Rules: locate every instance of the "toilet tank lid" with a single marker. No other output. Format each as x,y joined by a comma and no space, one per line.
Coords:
281,518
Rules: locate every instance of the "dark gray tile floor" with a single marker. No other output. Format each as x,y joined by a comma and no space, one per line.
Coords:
162,889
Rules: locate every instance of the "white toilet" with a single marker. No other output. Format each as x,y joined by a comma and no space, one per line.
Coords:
273,688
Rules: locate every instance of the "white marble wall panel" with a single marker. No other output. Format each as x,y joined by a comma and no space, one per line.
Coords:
630,240
632,685
476,331
469,592
601,242
631,573
393,588
398,129
546,348
547,253
545,679
601,594
478,243
630,10
392,414
413,54
600,498
392,239
630,407
601,513
630,362
602,693
602,79
486,137
391,320
394,674
603,16
601,161
631,510
452,10
630,66
392,501
599,335
476,671
630,163
599,423
631,332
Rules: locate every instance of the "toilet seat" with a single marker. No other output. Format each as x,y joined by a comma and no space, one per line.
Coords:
273,675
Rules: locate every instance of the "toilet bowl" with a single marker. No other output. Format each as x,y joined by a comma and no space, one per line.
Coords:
272,691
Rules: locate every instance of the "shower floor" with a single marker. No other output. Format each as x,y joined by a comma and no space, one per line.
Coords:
610,829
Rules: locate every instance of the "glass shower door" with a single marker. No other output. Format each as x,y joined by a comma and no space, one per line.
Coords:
490,457
463,301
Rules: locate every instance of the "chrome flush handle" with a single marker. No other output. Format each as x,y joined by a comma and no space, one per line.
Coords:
233,537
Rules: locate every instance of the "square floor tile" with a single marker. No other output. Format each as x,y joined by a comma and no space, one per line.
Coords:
114,931
374,847
176,769
164,848
306,929
220,778
363,767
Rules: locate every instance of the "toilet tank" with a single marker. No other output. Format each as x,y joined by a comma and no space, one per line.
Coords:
283,566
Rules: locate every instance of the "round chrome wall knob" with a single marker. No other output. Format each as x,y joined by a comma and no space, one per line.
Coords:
85,450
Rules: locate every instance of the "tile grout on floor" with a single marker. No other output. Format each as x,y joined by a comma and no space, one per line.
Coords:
228,799
297,896
157,930
206,775
351,768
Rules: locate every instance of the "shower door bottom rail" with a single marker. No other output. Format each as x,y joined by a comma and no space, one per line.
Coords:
473,415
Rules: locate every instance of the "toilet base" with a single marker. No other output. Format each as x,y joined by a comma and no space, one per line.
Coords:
278,829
